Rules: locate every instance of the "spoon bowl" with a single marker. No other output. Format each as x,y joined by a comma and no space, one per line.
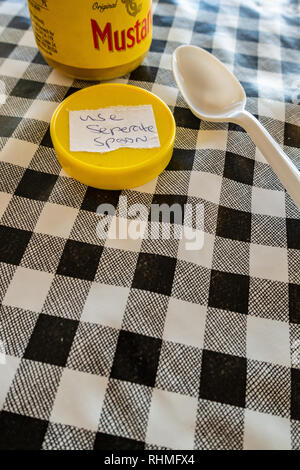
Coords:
210,90
213,93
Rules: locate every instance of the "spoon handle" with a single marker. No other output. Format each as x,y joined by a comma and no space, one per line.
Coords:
283,167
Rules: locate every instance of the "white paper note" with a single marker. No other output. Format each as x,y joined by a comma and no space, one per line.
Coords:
107,129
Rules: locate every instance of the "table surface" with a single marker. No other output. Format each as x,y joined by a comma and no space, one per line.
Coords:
140,344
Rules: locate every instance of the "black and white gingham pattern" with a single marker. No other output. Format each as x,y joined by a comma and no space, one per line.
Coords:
144,345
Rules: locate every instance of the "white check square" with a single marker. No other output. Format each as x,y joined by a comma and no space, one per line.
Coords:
268,341
166,62
4,201
268,262
185,323
268,202
225,42
271,108
147,187
41,110
264,78
271,51
56,220
172,420
119,235
8,370
201,255
13,68
79,399
166,93
186,10
28,289
210,139
105,305
57,78
10,8
230,21
181,35
18,152
272,24
28,39
264,431
205,186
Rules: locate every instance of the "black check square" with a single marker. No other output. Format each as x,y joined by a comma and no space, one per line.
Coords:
294,303
136,358
13,243
163,20
51,340
144,73
158,45
209,5
295,395
67,437
39,59
234,224
291,135
109,442
19,22
235,127
248,12
6,49
229,291
79,260
46,140
174,204
154,273
70,91
182,159
185,118
204,28
247,35
8,125
293,233
21,432
239,168
247,61
36,185
223,378
95,197
27,89
289,68
289,41
250,89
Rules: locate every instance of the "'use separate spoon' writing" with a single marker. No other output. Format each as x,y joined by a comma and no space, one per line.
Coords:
213,93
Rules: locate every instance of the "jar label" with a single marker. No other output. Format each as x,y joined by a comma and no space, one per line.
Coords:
92,34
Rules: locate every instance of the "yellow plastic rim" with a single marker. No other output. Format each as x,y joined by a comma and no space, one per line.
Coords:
123,168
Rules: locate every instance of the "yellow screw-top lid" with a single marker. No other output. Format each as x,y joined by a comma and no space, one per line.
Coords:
122,168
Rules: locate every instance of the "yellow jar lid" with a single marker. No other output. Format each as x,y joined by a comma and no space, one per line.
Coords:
122,168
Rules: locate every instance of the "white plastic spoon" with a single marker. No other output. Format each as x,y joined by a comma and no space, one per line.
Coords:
213,93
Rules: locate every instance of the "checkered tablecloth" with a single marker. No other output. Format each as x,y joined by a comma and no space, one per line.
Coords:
140,344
